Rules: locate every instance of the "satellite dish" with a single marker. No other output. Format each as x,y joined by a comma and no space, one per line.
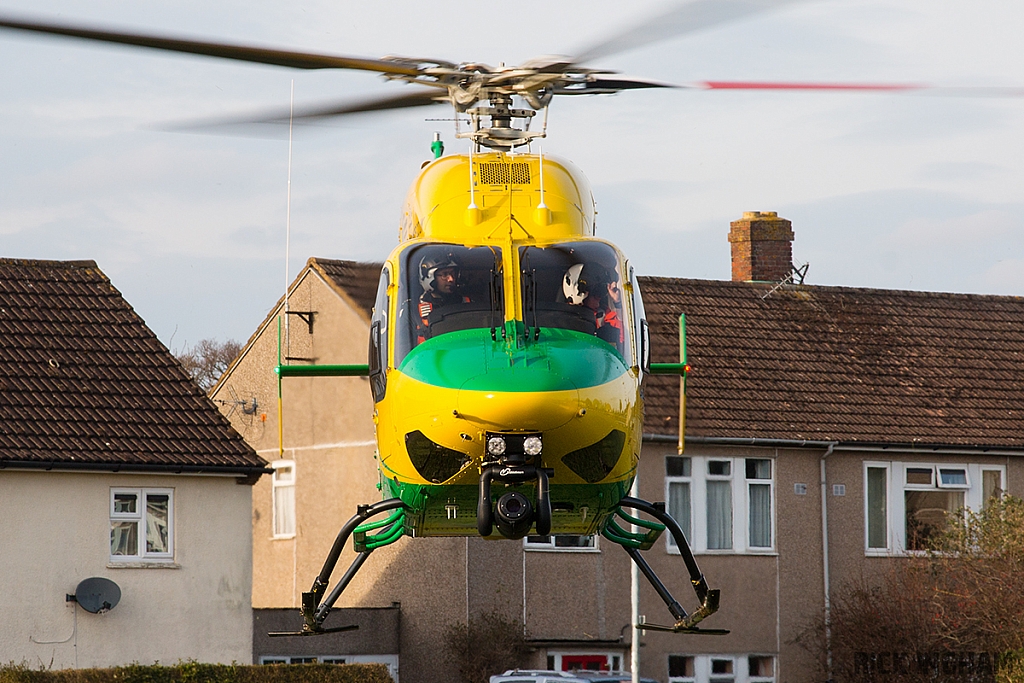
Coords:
97,595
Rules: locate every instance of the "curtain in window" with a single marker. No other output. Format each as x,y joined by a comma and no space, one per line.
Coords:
284,510
124,538
719,515
157,523
760,515
991,485
679,507
877,536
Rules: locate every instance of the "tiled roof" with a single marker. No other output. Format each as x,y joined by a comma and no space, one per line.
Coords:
835,363
357,280
85,384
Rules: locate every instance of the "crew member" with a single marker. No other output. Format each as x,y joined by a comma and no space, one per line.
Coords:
439,277
595,287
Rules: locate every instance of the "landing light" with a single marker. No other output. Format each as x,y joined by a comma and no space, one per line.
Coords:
532,445
495,445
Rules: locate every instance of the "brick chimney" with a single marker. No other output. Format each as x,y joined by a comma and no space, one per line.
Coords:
762,247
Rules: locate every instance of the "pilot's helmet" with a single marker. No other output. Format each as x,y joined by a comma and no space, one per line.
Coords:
580,280
433,262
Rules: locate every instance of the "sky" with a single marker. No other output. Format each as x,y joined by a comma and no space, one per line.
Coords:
918,192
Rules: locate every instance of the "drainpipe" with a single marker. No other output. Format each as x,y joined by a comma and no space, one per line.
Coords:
824,564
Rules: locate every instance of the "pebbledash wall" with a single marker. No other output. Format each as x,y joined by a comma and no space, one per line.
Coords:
195,605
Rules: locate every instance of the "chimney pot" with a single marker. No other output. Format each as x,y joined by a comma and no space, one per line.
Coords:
762,247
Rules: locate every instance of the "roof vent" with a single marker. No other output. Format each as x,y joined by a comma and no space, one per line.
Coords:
504,174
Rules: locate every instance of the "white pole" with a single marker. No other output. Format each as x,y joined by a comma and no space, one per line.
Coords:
634,595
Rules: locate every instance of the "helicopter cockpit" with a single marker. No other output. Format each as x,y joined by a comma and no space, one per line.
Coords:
576,286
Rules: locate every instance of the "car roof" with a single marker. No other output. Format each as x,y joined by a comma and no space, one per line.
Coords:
536,675
609,676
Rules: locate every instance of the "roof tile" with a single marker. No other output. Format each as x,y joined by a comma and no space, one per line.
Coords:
84,380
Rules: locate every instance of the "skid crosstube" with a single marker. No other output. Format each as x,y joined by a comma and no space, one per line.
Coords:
314,607
635,543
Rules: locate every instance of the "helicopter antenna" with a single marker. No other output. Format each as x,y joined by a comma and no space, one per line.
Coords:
288,220
540,155
472,211
287,281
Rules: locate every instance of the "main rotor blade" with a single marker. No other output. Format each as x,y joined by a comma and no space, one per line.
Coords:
921,88
678,21
314,114
244,53
606,85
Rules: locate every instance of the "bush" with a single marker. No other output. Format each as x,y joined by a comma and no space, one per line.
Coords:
194,672
954,613
487,645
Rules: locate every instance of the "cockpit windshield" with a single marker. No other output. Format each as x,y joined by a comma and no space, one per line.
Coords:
446,288
575,286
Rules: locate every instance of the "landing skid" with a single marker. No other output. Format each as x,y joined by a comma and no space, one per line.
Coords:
636,542
315,607
337,629
694,630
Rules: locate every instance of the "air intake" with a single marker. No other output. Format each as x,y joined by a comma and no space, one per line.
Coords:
596,461
434,462
504,174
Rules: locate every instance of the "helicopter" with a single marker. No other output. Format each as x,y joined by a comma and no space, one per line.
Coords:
508,344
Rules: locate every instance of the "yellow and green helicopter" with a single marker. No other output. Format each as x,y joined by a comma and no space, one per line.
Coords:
508,344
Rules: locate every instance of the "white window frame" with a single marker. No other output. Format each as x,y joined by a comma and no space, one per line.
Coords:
896,486
276,485
139,518
550,547
554,657
740,490
740,669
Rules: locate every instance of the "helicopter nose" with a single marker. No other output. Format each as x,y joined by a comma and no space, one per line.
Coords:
527,410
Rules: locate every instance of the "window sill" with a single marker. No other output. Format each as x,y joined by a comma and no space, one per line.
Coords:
730,552
283,537
144,564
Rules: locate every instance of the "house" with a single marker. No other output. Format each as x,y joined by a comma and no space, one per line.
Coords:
828,429
113,466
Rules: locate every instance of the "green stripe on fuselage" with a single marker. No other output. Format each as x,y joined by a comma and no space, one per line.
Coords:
558,360
450,510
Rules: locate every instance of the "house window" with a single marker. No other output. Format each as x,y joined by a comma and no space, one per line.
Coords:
722,503
584,661
284,498
678,481
905,504
141,524
721,669
568,542
390,661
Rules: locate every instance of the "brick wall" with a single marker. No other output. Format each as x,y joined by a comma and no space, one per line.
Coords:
762,247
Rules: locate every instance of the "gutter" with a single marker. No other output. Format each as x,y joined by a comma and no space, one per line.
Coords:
871,446
64,466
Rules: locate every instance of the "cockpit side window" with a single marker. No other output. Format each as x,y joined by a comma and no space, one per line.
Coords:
378,352
642,331
576,286
446,288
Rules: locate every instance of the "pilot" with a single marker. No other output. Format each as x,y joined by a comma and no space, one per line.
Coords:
439,277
